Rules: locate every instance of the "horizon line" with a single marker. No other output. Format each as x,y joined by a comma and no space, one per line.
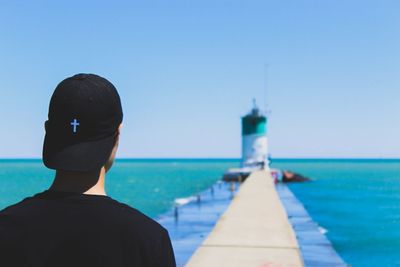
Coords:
225,158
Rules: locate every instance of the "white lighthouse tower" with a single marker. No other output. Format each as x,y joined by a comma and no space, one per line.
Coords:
254,146
254,139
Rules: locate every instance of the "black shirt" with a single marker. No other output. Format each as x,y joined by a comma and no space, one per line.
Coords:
56,229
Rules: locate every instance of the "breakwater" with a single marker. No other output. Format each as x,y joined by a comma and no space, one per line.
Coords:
254,231
263,225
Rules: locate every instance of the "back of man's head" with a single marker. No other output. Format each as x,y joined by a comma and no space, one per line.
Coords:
84,115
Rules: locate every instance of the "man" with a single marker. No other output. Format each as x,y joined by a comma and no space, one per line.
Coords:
74,223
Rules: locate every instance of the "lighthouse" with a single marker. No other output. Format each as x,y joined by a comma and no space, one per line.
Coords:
254,139
254,146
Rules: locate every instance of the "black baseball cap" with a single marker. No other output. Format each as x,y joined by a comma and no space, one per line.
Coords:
84,115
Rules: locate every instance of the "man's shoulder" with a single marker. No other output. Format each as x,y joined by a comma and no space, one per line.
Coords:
132,217
12,220
23,204
110,209
119,216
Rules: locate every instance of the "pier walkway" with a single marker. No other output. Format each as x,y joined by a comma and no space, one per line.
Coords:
254,231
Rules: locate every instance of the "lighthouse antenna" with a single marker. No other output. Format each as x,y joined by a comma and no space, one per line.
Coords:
265,98
265,86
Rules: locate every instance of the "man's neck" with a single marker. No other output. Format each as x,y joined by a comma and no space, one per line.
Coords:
90,183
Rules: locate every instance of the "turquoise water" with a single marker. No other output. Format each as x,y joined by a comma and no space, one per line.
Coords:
357,201
148,185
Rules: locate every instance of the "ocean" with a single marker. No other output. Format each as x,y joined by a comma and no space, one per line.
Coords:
150,185
356,201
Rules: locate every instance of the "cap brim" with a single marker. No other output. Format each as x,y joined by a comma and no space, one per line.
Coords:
83,157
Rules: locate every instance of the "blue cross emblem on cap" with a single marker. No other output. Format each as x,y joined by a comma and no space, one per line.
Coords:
74,125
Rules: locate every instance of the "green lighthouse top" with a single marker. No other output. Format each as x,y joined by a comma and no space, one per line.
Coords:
254,122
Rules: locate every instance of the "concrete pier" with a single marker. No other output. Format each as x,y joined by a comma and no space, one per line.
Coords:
254,231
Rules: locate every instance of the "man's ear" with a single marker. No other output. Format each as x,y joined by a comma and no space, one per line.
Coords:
45,125
119,129
118,132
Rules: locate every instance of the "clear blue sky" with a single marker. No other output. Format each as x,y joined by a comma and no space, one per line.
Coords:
187,71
